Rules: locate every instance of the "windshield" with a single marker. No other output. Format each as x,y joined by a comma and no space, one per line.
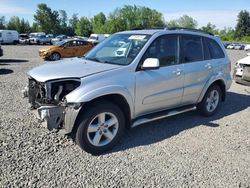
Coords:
120,49
59,43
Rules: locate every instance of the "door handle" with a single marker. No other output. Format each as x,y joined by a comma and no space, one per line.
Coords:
177,72
208,66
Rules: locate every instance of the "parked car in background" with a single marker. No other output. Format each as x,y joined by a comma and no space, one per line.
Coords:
226,44
97,38
231,46
242,70
59,38
247,47
80,37
32,35
239,47
24,38
9,37
66,48
40,39
97,97
1,51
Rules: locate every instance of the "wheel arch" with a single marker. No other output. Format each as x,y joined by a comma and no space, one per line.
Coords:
116,99
220,83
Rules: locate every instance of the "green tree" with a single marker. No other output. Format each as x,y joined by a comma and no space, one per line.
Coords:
47,19
133,17
243,25
2,22
184,21
83,27
63,17
35,27
14,23
209,28
187,22
73,23
227,34
21,26
98,23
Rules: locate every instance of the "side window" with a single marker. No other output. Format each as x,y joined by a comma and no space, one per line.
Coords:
68,44
166,49
191,48
215,50
82,43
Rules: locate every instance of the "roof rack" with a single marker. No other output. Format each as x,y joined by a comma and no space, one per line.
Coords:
177,28
189,29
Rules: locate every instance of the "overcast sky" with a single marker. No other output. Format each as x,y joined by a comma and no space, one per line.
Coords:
222,13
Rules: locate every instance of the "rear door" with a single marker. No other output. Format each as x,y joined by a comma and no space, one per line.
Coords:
198,67
83,48
68,49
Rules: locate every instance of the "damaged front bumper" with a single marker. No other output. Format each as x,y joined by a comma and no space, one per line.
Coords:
60,117
242,75
51,116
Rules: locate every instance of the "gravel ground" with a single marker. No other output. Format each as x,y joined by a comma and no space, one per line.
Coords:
182,151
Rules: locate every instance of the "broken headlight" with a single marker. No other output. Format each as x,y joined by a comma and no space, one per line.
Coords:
60,89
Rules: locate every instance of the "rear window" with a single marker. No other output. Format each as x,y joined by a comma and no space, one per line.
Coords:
191,48
214,49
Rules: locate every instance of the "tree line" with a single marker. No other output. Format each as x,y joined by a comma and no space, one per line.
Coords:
128,17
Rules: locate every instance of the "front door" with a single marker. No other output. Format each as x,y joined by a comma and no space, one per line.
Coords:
68,49
162,88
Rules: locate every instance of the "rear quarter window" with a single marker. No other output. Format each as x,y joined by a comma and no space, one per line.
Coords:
214,48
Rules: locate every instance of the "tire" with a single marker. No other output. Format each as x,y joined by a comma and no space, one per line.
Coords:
55,56
98,139
211,101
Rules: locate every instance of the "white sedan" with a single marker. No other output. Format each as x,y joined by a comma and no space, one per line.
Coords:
247,47
242,70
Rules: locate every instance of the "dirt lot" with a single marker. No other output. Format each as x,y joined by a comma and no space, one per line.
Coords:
182,151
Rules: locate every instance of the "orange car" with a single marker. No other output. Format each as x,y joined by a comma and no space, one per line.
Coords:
66,48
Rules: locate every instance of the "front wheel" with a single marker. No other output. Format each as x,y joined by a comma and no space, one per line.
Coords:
55,56
100,128
211,101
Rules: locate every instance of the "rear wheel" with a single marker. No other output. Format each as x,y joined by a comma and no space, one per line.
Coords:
211,101
100,128
55,56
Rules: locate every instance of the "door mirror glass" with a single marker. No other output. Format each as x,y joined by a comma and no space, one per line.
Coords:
151,63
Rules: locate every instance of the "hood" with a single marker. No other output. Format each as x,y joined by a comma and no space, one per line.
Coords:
48,48
70,68
245,60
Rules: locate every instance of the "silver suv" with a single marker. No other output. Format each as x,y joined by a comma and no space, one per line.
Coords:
160,73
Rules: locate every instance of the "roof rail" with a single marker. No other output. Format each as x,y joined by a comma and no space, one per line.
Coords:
189,29
177,28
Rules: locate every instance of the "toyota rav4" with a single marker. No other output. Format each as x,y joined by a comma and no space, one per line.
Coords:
160,73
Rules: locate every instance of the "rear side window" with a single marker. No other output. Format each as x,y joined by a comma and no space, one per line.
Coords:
214,49
191,48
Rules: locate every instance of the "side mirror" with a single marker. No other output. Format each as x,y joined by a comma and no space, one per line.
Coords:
150,64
